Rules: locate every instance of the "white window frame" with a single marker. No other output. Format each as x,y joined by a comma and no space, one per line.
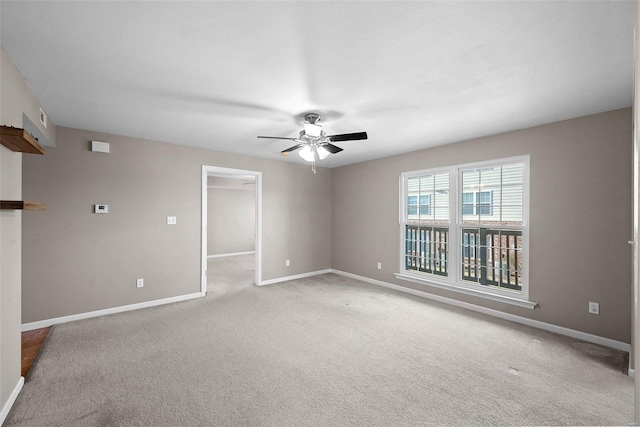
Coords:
454,280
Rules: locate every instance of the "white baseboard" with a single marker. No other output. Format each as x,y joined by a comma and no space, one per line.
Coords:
231,254
12,399
49,322
294,277
632,373
491,312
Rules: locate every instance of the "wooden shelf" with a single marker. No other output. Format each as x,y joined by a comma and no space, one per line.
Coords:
21,204
17,139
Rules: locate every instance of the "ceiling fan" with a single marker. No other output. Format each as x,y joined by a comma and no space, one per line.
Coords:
313,143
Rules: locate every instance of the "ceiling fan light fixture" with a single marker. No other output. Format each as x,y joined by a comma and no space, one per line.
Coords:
322,152
307,153
312,130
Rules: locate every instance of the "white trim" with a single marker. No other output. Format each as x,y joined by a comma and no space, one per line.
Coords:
595,339
11,400
231,254
208,171
219,187
294,277
203,236
64,319
469,291
632,373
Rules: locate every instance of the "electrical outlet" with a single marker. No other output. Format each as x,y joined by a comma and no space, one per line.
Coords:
100,209
379,266
171,220
139,283
594,308
287,263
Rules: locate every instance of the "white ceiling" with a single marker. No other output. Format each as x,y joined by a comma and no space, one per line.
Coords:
412,74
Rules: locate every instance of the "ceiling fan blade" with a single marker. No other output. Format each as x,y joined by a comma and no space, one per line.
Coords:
333,149
277,137
290,149
348,137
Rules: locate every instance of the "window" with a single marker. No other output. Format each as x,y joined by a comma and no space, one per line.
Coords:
426,228
466,226
493,229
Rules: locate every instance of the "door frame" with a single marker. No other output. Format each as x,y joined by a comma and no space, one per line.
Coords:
634,356
221,172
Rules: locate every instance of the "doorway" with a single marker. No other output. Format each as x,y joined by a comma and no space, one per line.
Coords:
232,243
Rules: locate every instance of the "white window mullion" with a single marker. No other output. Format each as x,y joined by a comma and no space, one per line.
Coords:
454,219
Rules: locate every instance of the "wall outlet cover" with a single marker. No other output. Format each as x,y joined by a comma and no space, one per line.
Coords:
172,220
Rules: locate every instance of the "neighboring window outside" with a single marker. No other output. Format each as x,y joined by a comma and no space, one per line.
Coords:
412,205
425,205
477,203
486,244
426,223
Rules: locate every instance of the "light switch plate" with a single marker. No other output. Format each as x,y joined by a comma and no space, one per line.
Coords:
172,220
100,208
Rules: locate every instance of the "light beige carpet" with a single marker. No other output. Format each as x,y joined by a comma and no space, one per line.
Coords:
323,351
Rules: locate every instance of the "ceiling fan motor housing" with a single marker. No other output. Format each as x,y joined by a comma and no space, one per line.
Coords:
312,118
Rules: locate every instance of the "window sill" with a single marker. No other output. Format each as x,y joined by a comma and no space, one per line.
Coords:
477,293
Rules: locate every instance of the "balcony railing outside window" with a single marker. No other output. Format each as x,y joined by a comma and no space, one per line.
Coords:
492,257
427,249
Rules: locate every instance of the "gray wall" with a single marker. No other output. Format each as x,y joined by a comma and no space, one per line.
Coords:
345,218
231,214
16,99
76,261
580,218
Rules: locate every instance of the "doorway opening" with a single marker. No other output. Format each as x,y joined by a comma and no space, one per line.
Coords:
231,195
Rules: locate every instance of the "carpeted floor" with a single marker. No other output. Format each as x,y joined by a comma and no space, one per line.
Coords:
322,351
